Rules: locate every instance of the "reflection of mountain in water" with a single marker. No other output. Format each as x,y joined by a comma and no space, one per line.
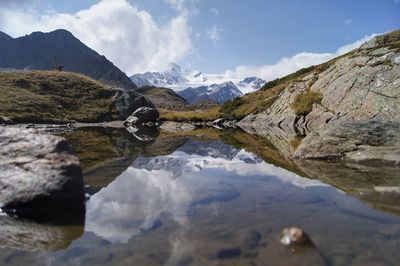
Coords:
198,173
214,149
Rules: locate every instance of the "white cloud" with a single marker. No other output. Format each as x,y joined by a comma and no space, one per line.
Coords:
289,65
214,34
348,21
215,12
129,37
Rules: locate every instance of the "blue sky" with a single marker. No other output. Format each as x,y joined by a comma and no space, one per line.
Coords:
219,35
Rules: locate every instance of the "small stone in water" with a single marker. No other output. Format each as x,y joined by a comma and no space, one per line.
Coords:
293,236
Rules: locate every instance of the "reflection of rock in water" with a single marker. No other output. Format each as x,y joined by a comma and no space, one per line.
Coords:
28,235
367,183
144,134
106,152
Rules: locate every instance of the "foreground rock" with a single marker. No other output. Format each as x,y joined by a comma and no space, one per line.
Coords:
359,141
38,173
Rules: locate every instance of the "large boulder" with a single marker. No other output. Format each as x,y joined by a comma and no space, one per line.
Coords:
146,114
38,173
125,102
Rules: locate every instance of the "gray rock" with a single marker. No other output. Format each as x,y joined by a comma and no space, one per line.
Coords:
131,121
146,114
354,140
176,127
6,121
38,173
361,86
364,85
125,102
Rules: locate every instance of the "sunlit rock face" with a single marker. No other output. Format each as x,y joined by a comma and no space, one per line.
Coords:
172,185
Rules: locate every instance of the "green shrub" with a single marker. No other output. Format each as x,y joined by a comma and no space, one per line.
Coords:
303,102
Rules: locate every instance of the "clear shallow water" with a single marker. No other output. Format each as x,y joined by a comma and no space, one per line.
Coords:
195,200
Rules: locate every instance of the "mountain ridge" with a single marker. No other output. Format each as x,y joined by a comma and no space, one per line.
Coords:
197,82
219,93
39,50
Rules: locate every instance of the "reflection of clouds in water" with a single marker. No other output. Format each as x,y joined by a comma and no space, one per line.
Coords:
133,203
170,184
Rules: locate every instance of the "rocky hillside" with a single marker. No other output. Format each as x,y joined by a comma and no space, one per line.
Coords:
59,97
163,97
38,51
361,86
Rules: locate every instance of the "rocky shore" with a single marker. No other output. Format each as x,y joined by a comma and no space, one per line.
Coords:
353,108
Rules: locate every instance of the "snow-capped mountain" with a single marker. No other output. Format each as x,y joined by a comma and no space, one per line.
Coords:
250,84
218,93
190,82
173,76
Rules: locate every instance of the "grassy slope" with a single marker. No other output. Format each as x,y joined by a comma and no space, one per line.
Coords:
51,97
195,115
163,97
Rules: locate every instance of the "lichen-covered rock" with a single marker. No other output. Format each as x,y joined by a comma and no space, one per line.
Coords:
362,85
125,102
146,114
38,173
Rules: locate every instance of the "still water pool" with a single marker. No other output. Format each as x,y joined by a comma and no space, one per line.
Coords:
211,198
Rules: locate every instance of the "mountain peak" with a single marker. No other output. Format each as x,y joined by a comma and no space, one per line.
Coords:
39,50
4,36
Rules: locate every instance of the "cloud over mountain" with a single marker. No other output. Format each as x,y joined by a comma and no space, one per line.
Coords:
128,36
289,65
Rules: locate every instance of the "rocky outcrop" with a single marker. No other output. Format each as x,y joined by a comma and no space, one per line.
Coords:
125,102
359,141
38,173
363,85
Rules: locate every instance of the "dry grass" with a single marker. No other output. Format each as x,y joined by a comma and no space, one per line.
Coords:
53,97
304,102
194,116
